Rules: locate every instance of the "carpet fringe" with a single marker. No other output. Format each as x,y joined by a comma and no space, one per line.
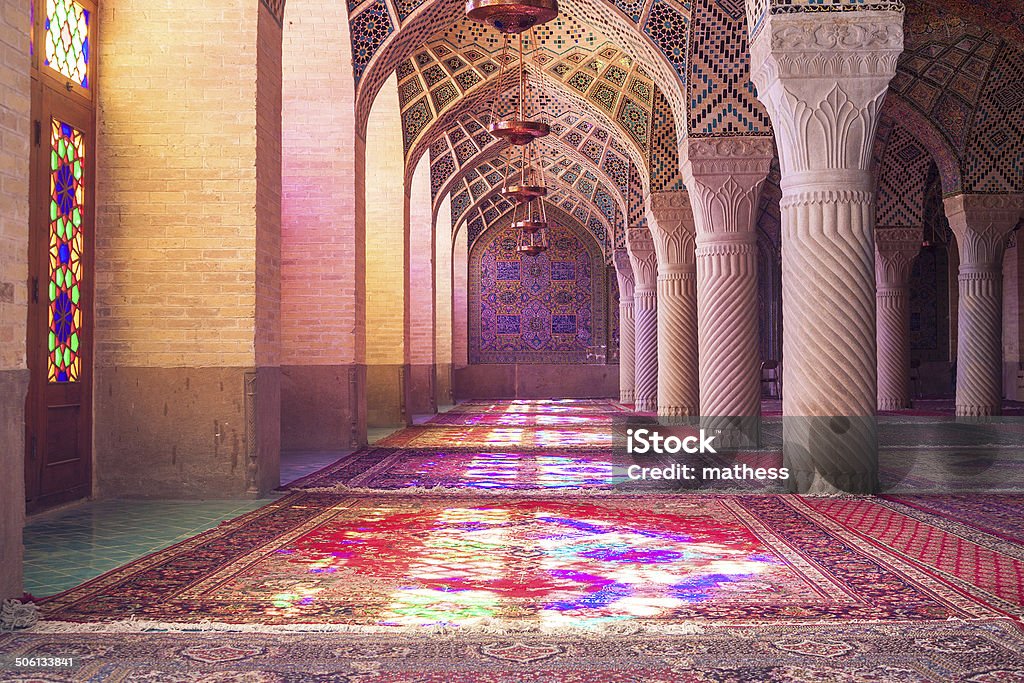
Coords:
483,627
15,614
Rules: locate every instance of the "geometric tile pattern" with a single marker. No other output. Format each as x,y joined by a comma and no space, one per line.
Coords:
548,308
370,28
994,159
722,99
664,159
901,174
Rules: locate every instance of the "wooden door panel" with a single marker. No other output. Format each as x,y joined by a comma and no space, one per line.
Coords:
59,457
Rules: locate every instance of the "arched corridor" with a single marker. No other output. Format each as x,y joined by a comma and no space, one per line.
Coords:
301,340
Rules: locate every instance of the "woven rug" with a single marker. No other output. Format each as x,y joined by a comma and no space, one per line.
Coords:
999,515
397,468
436,436
541,406
518,419
869,653
656,563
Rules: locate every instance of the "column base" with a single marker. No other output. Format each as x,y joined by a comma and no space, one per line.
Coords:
974,411
733,432
831,455
646,405
677,411
625,396
893,403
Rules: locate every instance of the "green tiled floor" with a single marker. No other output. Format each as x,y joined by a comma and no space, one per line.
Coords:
64,549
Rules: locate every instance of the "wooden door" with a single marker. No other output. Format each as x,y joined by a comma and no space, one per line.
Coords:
58,465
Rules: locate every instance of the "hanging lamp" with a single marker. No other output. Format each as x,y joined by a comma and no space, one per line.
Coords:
517,130
512,16
530,183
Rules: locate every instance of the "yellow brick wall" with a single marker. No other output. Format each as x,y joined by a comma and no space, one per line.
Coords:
385,231
177,191
421,267
15,105
321,284
443,277
460,299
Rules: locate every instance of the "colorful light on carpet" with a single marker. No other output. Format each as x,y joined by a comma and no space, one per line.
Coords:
567,564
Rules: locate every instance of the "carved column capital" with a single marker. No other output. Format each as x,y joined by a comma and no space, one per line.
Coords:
671,221
624,274
725,176
981,224
643,258
822,81
895,251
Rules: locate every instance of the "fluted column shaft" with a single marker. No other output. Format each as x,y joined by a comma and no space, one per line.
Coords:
627,331
725,176
981,224
822,78
895,251
672,227
645,296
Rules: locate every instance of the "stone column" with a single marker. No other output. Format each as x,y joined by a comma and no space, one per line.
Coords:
725,176
627,331
895,251
823,77
671,223
645,296
981,224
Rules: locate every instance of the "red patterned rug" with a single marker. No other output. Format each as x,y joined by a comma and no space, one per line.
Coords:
655,563
938,652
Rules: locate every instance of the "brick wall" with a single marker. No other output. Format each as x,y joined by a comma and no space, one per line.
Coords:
320,281
385,231
187,249
15,107
460,300
443,259
421,267
176,199
15,110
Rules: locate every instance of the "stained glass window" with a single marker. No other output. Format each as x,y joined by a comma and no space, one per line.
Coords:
67,203
67,40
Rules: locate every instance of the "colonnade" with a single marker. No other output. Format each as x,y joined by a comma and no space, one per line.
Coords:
822,78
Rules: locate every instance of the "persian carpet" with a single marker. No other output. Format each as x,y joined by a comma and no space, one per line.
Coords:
409,562
395,468
868,653
435,436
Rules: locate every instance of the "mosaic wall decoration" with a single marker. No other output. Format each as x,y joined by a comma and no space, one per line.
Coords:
901,174
548,308
995,154
67,207
67,40
415,119
370,28
669,29
613,315
664,163
723,101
